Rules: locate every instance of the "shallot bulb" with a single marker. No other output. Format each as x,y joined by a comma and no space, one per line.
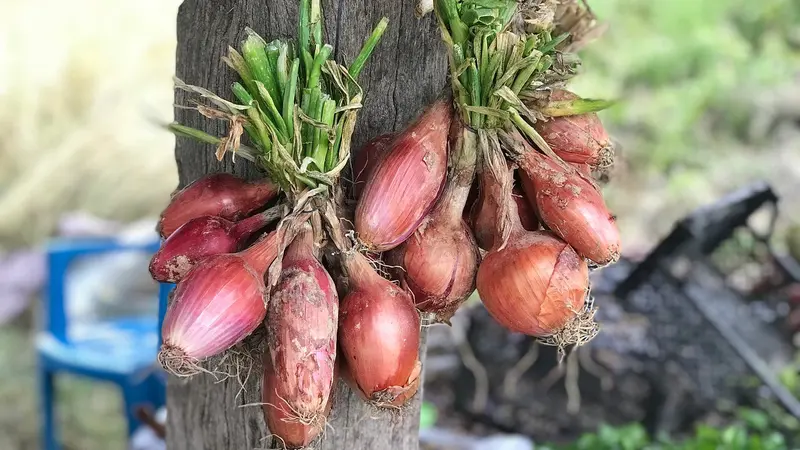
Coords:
440,259
200,238
577,139
536,284
379,331
405,184
215,306
569,204
365,160
301,339
222,195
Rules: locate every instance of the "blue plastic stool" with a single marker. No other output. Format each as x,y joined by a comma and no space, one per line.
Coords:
121,351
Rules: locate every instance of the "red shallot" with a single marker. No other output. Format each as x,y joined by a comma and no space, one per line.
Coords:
405,184
379,331
301,336
222,194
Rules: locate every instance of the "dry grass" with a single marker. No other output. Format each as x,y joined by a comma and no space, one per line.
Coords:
78,82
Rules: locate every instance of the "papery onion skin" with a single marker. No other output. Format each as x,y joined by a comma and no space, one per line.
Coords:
219,303
535,285
583,169
406,182
472,202
192,242
301,332
280,421
440,265
484,213
222,195
263,252
379,331
573,209
365,160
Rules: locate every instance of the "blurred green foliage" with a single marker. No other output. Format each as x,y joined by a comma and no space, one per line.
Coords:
752,431
687,71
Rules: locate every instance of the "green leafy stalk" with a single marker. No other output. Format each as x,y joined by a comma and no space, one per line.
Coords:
274,116
523,77
282,67
241,93
316,68
236,61
532,134
288,97
297,106
273,54
304,38
575,107
554,43
475,93
312,95
304,27
201,136
488,75
316,20
262,134
339,130
448,11
328,110
255,54
316,138
368,48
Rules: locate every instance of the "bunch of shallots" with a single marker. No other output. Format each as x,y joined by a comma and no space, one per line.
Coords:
491,187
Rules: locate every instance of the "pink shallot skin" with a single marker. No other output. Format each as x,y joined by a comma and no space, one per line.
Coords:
215,307
379,334
198,239
301,331
367,157
573,208
222,194
406,182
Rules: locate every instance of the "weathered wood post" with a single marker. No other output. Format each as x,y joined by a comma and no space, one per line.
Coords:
406,72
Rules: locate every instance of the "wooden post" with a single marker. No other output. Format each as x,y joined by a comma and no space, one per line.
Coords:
406,73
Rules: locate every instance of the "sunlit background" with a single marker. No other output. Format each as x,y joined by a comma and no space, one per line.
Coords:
710,99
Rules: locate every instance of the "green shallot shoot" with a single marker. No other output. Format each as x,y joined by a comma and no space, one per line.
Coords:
295,104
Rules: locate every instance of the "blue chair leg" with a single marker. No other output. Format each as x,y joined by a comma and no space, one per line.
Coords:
135,395
157,384
49,426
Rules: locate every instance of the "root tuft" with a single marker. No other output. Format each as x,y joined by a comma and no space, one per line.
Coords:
176,362
580,330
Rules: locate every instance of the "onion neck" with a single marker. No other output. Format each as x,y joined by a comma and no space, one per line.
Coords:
463,158
263,189
247,227
261,254
359,270
515,223
498,197
302,247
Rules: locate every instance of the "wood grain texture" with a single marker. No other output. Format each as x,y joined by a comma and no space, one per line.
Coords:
406,73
